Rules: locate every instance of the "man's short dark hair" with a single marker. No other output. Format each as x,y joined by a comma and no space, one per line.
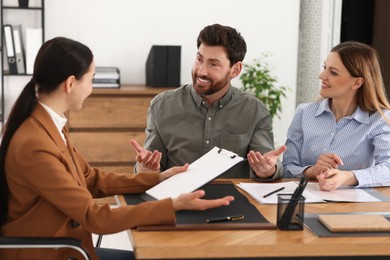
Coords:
225,36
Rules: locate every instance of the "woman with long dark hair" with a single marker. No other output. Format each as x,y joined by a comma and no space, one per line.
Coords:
47,187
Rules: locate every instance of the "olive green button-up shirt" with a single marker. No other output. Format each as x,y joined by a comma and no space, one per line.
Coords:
183,127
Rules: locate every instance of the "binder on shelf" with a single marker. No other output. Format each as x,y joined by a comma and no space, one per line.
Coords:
19,52
10,48
106,77
163,66
33,43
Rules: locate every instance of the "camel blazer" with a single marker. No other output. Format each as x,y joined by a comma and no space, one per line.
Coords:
51,191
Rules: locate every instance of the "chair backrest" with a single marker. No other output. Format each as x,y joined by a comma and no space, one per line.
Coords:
40,242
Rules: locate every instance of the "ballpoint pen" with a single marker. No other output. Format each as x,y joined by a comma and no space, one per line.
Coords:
273,192
228,218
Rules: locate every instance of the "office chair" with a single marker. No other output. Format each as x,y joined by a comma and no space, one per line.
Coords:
40,242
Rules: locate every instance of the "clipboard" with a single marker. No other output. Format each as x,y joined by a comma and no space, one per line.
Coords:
200,172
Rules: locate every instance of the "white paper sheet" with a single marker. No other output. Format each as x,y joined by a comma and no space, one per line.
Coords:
200,172
312,193
346,194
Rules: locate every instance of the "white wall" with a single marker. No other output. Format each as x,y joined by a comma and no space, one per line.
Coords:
121,32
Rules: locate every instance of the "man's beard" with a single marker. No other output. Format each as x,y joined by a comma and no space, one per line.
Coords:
214,86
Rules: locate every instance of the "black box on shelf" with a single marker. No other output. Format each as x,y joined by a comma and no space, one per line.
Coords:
163,66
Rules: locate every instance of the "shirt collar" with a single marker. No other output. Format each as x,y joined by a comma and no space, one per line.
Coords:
359,115
323,107
59,120
199,100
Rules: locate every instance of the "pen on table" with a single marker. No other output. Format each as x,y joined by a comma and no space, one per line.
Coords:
228,218
273,192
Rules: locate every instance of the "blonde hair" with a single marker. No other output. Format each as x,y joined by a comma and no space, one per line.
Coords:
362,61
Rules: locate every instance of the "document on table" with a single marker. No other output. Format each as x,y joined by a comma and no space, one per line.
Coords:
312,193
200,172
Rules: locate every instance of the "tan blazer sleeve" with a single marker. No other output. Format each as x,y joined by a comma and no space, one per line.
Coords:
37,168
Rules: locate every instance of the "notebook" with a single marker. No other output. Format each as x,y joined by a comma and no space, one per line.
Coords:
354,223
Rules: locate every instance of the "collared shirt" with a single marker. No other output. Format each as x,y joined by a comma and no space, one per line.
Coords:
361,140
59,120
183,127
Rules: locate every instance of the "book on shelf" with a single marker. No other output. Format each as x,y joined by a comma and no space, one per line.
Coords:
106,77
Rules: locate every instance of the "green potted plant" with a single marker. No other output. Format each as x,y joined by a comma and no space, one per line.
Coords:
257,79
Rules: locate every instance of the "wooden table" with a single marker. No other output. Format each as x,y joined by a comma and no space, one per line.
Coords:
264,243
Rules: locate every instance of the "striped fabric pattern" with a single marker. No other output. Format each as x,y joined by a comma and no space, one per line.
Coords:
361,140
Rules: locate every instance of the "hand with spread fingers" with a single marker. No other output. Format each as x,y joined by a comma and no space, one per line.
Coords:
194,201
147,160
264,166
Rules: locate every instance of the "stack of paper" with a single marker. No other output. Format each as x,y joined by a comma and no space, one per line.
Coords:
106,77
312,193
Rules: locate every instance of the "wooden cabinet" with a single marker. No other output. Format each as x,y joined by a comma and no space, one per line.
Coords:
102,129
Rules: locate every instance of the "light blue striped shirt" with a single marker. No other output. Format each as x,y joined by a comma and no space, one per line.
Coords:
361,140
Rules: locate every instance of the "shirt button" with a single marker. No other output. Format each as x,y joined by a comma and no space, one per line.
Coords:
207,141
209,118
220,106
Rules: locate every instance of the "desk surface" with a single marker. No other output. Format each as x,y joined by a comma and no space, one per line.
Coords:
262,243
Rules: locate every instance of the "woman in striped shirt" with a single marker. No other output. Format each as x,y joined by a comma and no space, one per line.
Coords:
343,139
